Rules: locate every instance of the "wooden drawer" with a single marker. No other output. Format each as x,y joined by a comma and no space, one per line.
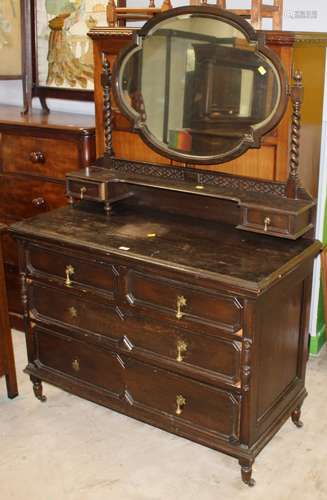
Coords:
187,305
70,310
21,198
267,221
154,391
270,222
39,155
72,271
86,190
79,360
201,406
212,357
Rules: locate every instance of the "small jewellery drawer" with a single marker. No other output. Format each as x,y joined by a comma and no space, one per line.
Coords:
267,221
187,305
199,405
48,303
39,155
272,222
71,270
86,190
79,360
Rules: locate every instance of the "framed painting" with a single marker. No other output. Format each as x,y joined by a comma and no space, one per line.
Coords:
61,50
11,39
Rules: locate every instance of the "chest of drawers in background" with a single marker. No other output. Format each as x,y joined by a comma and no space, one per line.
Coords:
36,151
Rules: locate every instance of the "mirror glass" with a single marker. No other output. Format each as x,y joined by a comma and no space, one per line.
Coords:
198,88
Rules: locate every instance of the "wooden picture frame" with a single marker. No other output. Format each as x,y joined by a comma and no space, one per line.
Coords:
13,35
61,56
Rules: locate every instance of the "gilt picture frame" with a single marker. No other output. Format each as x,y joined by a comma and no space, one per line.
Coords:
61,52
12,37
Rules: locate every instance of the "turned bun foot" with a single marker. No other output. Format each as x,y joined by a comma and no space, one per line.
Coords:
246,471
38,390
295,416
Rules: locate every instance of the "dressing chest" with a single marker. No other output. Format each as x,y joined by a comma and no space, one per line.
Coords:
171,293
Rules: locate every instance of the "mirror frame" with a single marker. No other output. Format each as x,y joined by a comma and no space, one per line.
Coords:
249,140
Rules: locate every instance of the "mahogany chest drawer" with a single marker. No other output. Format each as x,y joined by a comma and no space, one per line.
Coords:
211,358
79,360
39,155
21,198
187,305
70,270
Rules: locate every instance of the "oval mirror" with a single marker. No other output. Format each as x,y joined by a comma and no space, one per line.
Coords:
199,85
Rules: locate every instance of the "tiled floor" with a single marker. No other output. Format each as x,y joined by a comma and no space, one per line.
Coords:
70,449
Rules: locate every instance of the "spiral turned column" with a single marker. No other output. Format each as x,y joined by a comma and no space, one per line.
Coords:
107,107
297,98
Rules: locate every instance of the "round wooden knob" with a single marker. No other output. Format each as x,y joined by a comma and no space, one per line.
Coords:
37,157
39,203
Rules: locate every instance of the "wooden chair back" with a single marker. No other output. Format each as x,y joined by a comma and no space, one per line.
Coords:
258,11
119,15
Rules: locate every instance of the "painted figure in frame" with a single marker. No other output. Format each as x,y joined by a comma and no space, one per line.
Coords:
69,53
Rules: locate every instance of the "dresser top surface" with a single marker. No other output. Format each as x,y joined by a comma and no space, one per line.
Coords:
12,116
210,250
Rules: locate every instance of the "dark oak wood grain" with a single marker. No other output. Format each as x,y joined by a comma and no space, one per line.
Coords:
226,373
235,258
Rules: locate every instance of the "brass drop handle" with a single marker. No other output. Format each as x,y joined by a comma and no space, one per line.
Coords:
82,192
37,157
76,365
73,312
180,403
39,202
69,272
181,348
267,223
181,302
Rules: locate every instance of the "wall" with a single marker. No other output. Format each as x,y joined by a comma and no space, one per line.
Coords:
11,93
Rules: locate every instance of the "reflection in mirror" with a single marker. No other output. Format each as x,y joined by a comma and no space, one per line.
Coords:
199,86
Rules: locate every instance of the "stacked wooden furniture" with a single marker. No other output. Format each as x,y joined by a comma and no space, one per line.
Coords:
36,151
117,16
258,11
175,294
7,362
